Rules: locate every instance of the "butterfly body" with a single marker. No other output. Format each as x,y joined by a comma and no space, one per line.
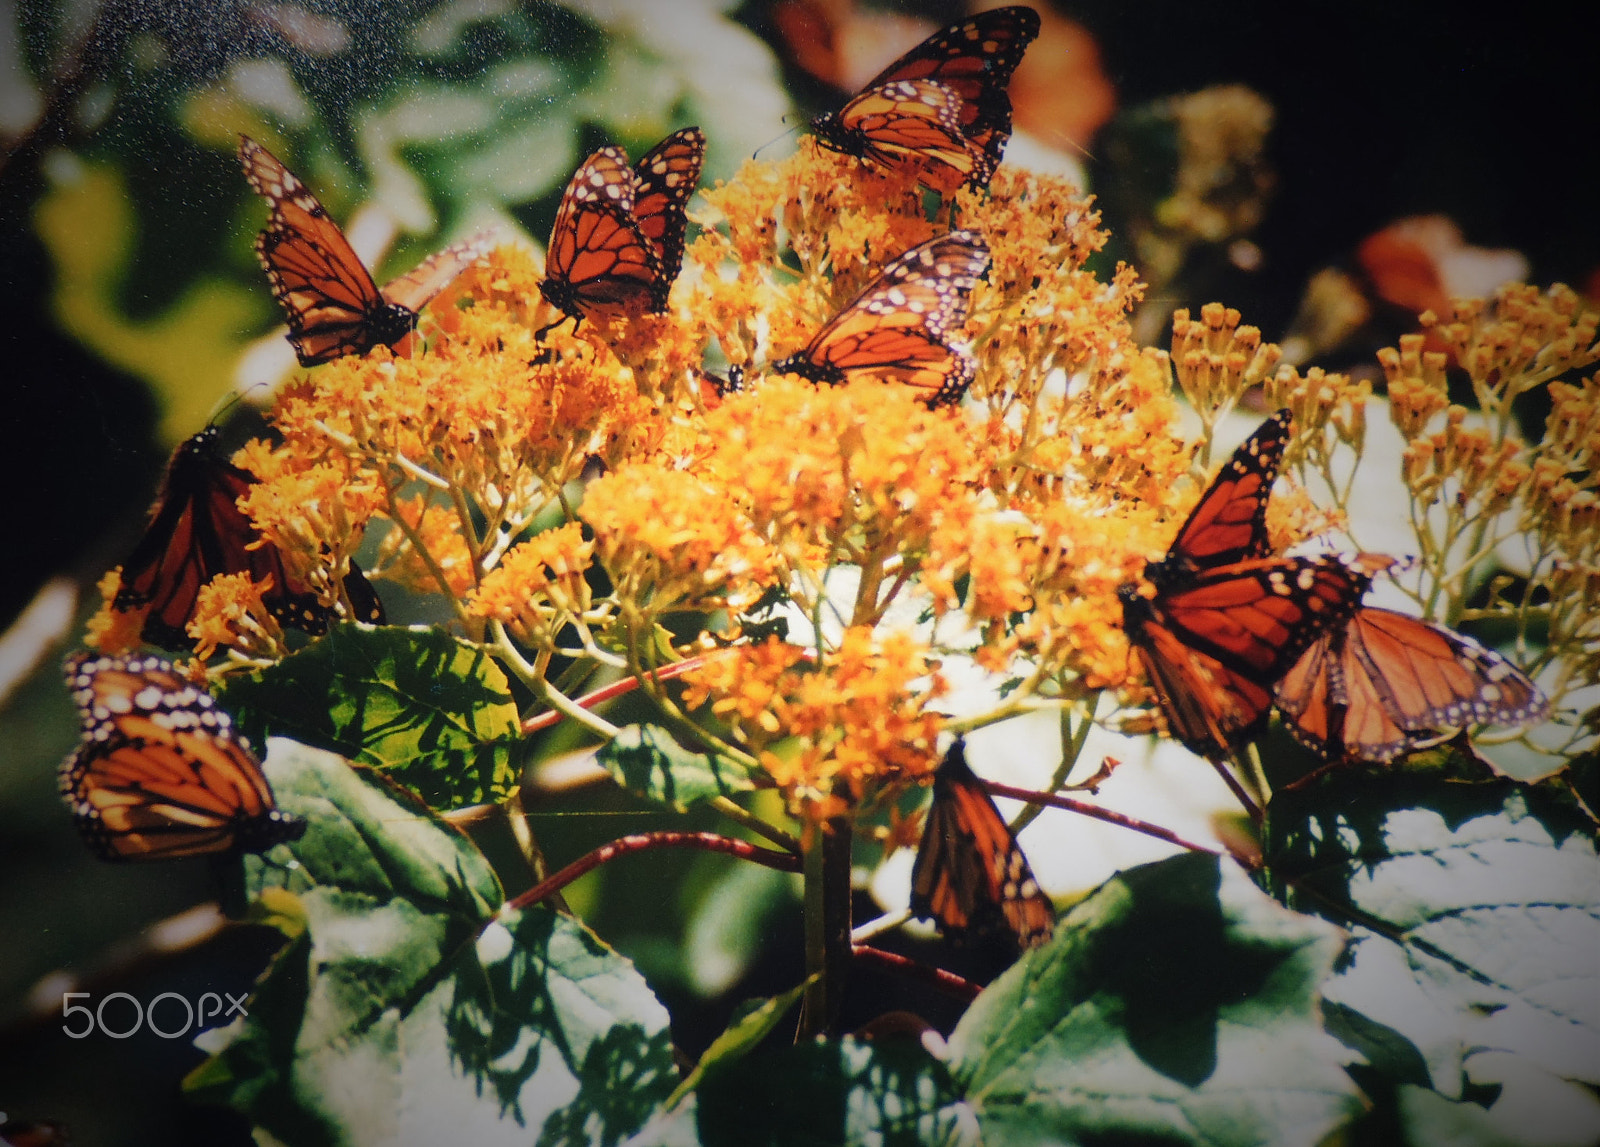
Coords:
160,773
942,109
333,305
617,243
970,877
1213,642
899,328
196,532
1227,620
1384,684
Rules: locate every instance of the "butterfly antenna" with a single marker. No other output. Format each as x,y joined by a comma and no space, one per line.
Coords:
791,131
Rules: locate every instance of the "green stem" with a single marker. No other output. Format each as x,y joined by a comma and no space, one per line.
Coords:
827,908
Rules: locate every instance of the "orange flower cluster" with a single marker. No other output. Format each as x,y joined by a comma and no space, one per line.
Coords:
834,731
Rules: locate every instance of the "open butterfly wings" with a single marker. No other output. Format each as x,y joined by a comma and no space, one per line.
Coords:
970,877
899,327
196,532
333,305
1385,683
160,773
1214,642
618,237
1227,621
898,118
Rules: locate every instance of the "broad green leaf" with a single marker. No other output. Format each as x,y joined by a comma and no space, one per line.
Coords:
407,1011
750,1025
432,712
888,1093
1176,1004
730,921
1475,914
645,760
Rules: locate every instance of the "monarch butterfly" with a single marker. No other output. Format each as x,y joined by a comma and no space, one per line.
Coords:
161,773
898,328
970,877
334,307
196,532
618,236
1385,683
942,108
1227,621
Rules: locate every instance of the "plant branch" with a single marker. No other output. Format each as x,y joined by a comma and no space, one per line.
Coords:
645,841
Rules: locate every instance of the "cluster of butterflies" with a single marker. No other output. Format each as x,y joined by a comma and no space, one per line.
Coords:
1231,632
940,112
617,244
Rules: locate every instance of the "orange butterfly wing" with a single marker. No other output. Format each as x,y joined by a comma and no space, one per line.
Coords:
668,174
970,878
418,286
160,773
915,125
617,242
333,305
1230,522
973,61
1386,683
898,328
196,532
1214,643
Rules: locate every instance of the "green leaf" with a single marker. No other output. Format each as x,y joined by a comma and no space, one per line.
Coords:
645,760
1475,914
434,713
750,1025
886,1093
1176,1004
408,1011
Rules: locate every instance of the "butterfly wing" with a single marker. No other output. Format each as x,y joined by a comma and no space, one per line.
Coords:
598,256
898,328
910,125
1214,643
160,773
668,174
196,532
974,60
970,877
418,286
1230,522
1387,683
333,306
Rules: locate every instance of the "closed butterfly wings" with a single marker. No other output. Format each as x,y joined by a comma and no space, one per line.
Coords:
970,877
942,109
160,773
1384,684
899,328
617,243
333,305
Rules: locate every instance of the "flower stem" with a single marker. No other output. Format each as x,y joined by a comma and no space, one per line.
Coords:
643,841
826,864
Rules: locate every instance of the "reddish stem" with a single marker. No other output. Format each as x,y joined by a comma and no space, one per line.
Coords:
946,982
615,689
640,842
1097,813
1237,789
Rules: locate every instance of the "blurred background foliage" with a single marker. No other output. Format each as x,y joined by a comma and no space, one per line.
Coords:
1330,176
